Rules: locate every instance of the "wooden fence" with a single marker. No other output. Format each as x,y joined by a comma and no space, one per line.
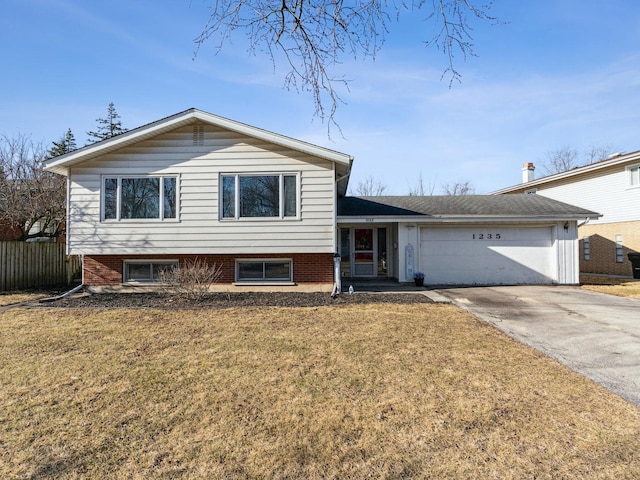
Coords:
36,264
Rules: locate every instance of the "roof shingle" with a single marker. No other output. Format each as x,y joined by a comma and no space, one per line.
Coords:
459,206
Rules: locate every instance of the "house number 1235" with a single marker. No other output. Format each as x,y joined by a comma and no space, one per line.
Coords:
486,236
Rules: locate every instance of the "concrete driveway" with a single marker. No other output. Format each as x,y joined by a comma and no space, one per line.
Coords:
594,334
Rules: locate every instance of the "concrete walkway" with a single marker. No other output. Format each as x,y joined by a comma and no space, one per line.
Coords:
390,286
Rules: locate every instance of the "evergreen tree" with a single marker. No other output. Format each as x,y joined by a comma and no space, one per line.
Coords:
66,144
107,127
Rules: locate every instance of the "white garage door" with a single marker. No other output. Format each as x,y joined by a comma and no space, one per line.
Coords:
487,255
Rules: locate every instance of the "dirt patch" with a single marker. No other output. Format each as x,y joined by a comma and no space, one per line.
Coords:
229,300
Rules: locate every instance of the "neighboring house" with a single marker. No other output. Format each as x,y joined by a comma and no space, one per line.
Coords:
271,210
610,187
9,232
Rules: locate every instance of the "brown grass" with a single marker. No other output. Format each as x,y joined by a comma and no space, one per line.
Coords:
18,297
611,286
364,391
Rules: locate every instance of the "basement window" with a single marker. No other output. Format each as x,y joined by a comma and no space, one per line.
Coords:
147,271
271,270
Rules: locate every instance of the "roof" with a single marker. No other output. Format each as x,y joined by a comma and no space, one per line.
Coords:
524,207
575,173
61,163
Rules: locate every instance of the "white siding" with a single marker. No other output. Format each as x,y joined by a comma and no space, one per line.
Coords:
199,230
607,193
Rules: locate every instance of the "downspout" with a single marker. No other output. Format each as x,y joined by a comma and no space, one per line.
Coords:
586,220
337,259
337,285
64,295
68,231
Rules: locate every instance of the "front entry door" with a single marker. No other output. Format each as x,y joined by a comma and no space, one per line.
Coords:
363,252
363,257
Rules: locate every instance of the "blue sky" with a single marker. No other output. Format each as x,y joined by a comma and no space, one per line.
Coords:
558,73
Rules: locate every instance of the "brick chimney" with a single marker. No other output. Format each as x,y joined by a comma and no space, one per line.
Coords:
528,172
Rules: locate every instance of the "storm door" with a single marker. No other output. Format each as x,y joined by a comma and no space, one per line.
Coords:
364,260
363,252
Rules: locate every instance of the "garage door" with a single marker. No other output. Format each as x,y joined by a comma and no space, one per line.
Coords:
487,255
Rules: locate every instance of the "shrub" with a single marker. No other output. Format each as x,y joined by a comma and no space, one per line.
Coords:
193,278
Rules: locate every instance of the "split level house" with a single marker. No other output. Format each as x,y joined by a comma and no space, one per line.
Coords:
272,212
610,187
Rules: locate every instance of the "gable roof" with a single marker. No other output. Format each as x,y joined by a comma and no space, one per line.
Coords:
507,207
61,163
575,173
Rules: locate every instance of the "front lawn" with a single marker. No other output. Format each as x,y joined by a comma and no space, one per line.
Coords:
620,289
351,391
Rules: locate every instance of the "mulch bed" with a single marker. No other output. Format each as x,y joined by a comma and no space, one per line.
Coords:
228,300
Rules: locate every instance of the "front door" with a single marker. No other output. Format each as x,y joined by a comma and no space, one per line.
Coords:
364,252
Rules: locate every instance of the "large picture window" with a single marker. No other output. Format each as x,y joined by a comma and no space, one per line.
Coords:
128,198
276,270
259,196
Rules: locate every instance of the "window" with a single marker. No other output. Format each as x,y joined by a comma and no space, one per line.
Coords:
259,196
619,249
128,198
276,270
147,271
634,176
586,248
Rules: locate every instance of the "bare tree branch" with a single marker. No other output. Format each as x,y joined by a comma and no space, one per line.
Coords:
566,158
312,36
31,199
369,187
458,188
419,189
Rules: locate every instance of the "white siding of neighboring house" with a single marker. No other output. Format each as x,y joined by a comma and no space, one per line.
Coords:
606,193
199,230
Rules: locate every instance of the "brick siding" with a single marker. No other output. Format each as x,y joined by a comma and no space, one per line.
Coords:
107,270
602,242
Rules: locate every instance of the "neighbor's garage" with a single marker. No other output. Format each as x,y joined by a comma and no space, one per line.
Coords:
488,255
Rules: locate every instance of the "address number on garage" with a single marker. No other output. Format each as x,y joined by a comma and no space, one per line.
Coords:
486,236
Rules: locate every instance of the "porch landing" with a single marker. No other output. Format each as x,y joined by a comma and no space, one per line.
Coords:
389,286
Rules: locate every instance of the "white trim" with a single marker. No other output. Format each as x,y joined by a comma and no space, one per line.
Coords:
460,219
